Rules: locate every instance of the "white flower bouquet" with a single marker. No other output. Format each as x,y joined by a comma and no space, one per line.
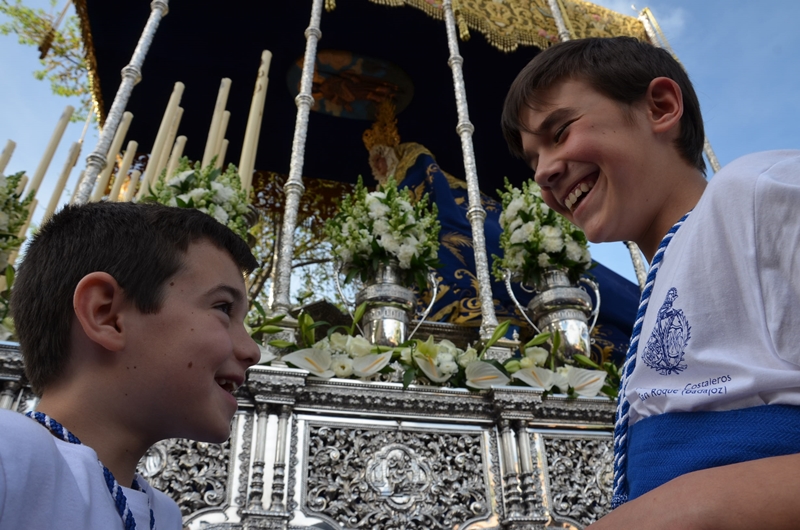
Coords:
536,238
537,368
13,214
208,189
373,228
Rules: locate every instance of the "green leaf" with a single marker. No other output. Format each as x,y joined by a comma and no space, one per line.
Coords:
541,338
499,332
268,329
409,376
582,359
360,310
260,309
281,343
9,277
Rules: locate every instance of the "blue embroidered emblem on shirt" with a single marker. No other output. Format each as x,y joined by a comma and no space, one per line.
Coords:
667,343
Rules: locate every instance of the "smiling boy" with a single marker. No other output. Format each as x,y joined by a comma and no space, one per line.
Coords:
708,426
130,319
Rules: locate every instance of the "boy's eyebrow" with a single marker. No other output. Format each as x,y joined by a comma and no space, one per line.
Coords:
237,294
552,119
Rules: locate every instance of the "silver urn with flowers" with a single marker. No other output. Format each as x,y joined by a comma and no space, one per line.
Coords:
389,241
548,255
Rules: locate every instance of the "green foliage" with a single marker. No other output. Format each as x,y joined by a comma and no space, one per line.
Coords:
64,65
536,238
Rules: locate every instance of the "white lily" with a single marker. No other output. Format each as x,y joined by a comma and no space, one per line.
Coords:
266,355
535,377
586,382
369,365
537,355
318,362
429,368
483,375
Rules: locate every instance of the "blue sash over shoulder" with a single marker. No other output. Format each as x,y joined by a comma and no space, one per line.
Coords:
667,446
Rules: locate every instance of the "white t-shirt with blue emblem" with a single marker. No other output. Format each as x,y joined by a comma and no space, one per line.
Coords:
722,329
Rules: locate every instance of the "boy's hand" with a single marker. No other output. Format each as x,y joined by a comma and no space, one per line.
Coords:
756,494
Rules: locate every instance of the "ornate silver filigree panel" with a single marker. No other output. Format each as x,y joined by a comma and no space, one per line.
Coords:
396,479
581,472
194,474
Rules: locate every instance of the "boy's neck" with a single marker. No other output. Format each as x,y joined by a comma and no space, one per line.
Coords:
684,194
118,446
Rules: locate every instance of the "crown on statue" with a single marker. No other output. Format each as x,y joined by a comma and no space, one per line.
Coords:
384,130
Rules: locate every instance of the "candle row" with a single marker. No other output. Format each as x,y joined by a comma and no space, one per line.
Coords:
166,152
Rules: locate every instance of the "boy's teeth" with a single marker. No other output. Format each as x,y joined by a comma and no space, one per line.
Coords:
576,194
230,386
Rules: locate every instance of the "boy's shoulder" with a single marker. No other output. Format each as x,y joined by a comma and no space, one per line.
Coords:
776,164
34,465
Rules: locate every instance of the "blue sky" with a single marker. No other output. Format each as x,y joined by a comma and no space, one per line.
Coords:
737,52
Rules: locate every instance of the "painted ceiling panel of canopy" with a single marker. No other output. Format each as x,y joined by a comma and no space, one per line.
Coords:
200,42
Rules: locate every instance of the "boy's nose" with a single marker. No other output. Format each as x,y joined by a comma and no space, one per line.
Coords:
246,349
548,170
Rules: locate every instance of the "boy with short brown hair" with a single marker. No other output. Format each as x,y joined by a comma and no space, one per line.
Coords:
131,323
708,425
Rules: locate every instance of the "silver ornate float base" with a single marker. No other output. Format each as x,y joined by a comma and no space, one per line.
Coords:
343,454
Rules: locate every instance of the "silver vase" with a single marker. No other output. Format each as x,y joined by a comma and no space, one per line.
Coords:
559,306
390,305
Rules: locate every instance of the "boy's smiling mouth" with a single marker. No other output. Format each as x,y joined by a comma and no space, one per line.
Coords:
227,384
579,192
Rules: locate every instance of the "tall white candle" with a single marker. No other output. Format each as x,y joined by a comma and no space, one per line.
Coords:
221,157
21,186
165,152
216,120
251,134
175,157
163,130
41,169
77,185
8,150
124,167
116,145
72,158
131,186
223,128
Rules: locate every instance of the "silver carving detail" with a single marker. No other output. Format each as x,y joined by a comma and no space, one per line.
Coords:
581,472
244,462
395,479
194,474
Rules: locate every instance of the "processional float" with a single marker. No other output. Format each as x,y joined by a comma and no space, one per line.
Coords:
306,452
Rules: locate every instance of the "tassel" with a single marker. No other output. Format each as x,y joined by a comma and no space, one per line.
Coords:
330,5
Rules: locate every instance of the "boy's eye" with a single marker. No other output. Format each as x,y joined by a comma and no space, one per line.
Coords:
225,308
560,131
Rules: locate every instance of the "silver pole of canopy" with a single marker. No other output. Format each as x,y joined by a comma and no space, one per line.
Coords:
131,75
294,188
475,213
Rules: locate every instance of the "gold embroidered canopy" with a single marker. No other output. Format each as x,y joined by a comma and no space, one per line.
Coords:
508,24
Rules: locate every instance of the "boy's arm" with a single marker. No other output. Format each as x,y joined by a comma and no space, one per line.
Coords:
755,494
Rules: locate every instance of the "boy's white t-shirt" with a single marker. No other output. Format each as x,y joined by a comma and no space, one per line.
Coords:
49,483
722,329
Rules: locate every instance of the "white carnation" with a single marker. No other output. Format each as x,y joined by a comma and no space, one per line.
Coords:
220,215
449,367
358,346
574,251
552,244
543,260
222,193
342,365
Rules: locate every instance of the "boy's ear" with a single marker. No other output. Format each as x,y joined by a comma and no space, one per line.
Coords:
98,302
665,104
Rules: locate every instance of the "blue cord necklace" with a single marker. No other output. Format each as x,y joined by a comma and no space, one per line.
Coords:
58,430
620,494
